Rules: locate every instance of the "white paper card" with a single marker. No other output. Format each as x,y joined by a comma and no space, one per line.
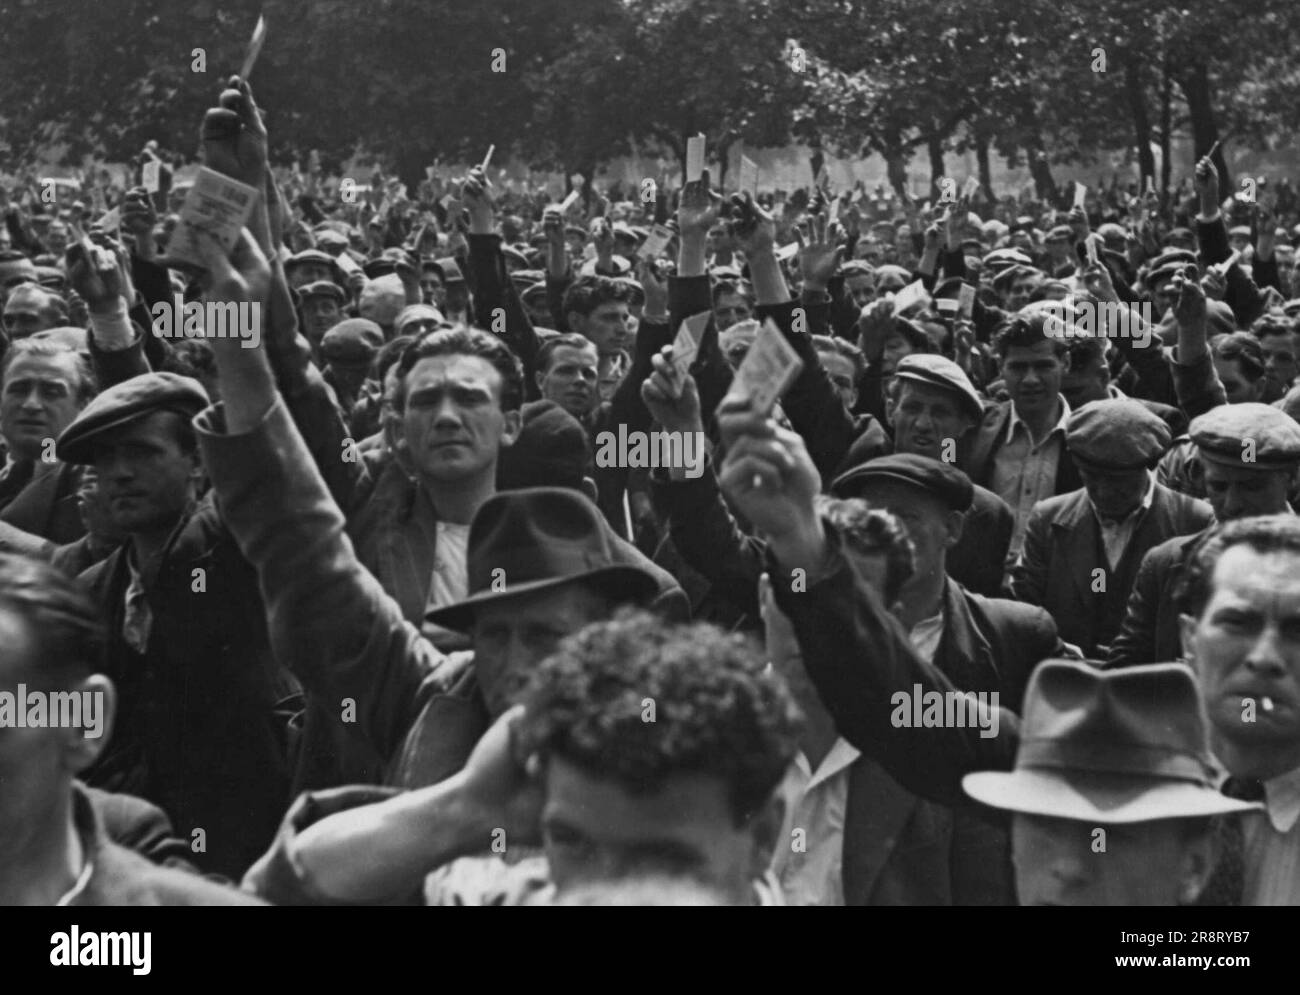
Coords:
910,296
694,158
769,367
112,220
215,204
966,301
151,175
971,187
655,242
567,204
787,251
687,342
1080,194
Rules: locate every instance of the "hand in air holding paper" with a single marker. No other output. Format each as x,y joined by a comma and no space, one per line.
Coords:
698,209
234,136
671,396
751,226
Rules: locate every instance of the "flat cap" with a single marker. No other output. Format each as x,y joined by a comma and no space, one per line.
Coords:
1239,231
1250,436
323,288
352,342
1116,434
309,256
938,371
943,480
1060,233
417,312
382,299
126,402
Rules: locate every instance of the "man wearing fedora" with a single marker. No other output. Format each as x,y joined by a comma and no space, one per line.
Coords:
1113,791
1239,605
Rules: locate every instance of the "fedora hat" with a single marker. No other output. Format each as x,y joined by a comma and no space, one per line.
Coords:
535,539
1109,746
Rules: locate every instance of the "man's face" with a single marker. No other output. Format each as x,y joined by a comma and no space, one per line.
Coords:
735,344
730,309
1084,382
56,237
870,250
924,418
513,635
896,347
1145,863
608,327
144,474
453,423
840,370
33,766
862,288
39,399
1239,243
1240,492
431,285
1020,239
1115,493
539,312
925,517
1246,649
320,313
1019,293
28,312
571,379
301,274
1033,377
1235,384
1058,248
1280,358
593,829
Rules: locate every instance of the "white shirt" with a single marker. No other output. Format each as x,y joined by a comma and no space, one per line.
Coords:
450,582
1115,536
1024,472
809,857
809,853
1271,845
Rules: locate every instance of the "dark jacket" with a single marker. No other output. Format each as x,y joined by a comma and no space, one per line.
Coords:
1063,547
1149,633
900,849
977,452
120,877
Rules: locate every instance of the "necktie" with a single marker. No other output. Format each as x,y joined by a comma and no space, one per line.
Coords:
1226,883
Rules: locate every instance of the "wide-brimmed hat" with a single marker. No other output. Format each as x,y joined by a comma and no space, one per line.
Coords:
535,539
1109,746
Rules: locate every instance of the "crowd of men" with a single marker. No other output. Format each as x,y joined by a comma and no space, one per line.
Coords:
999,604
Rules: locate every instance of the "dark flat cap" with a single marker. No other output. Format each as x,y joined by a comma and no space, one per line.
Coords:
309,256
1116,434
937,371
943,480
352,342
323,288
126,402
1060,233
1232,434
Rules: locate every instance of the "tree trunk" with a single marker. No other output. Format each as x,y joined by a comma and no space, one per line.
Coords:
1166,135
410,164
982,164
1137,105
1195,84
934,146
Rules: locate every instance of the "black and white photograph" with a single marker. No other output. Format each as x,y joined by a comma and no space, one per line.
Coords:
651,453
